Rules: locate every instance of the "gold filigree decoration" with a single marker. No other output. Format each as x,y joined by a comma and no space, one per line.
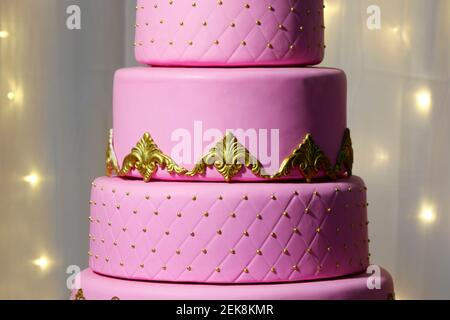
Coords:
79,295
112,166
345,156
229,157
146,158
309,159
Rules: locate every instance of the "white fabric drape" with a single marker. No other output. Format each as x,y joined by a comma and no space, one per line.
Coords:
56,128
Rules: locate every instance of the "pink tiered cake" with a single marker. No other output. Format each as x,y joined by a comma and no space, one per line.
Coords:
228,183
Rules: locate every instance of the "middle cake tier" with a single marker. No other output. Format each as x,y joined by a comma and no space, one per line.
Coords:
228,233
290,122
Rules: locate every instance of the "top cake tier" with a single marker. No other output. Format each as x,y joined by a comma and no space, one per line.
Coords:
230,32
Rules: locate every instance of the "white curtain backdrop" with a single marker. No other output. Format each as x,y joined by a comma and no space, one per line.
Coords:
55,111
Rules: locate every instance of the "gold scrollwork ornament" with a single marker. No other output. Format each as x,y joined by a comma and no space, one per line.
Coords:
229,157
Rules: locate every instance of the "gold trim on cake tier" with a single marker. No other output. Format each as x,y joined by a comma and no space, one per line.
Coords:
229,157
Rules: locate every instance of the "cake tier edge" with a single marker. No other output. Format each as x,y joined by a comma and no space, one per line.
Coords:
97,287
228,233
186,113
229,33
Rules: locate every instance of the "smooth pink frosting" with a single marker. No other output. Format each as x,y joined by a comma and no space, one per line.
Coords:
297,101
96,287
230,33
228,233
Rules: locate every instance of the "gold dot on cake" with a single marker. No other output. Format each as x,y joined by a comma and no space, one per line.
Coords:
190,43
220,198
273,197
204,251
121,264
167,232
247,6
271,8
147,197
296,230
245,197
246,270
194,198
218,269
232,251
127,194
232,24
243,42
246,233
259,217
135,211
270,46
273,235
216,42
219,2
142,266
144,230
181,23
179,215
133,246
286,251
206,214
318,230
192,234
258,22
259,252
189,268
329,210
292,46
204,23
219,232
164,268
309,250
295,268
273,270
301,28
329,249
153,250
233,215
307,210
155,213
178,251
286,214
169,197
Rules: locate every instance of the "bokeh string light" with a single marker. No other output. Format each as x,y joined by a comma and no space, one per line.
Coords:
43,263
424,101
427,214
4,34
33,179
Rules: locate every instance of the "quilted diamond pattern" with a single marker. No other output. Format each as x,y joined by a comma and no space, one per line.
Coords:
228,233
230,32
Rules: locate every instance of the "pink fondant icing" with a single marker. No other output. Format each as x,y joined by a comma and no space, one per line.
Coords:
230,33
97,287
228,233
295,101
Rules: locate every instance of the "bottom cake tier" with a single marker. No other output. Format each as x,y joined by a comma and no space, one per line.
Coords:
97,287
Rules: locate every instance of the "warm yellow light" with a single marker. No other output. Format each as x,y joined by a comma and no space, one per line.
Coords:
381,157
4,34
32,179
42,263
11,96
424,101
427,214
331,9
395,29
